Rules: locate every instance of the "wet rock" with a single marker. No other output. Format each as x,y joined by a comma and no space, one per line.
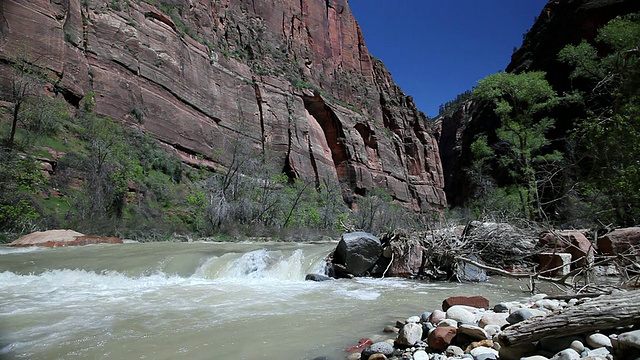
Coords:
468,272
391,329
410,334
358,252
474,301
317,277
598,340
440,338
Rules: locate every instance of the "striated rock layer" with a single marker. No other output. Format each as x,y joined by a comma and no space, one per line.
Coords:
290,79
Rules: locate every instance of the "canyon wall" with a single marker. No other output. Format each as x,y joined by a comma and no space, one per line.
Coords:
291,80
560,23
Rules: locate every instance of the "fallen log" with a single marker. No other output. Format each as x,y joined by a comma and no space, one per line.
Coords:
601,313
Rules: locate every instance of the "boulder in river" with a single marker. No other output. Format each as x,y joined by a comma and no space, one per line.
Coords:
54,238
357,252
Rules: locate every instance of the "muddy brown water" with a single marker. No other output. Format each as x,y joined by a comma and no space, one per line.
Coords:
201,301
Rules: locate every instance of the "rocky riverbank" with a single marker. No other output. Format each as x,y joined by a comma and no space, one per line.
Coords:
542,327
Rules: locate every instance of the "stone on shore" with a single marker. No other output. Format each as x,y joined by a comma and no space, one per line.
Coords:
409,334
472,331
518,316
567,354
420,355
489,318
473,301
437,316
440,338
598,340
460,314
630,339
55,238
378,348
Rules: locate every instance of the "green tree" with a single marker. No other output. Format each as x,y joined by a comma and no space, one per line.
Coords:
607,147
519,102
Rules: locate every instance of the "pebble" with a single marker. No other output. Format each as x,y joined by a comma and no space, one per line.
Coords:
577,345
492,330
535,357
420,355
425,316
378,357
454,351
598,340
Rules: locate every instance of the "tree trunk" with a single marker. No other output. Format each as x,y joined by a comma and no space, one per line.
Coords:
604,312
14,124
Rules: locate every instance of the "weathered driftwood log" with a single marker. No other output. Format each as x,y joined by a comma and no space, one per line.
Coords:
601,313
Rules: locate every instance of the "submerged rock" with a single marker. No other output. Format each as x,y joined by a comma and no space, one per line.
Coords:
317,277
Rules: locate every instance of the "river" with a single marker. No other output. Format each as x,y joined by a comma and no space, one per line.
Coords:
200,300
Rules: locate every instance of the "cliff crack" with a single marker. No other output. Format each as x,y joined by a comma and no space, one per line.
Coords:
256,88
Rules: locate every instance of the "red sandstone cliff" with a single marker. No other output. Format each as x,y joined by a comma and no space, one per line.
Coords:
291,78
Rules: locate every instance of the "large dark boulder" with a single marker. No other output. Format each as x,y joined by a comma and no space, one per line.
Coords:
357,252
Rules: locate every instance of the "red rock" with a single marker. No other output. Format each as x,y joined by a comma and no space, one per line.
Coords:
362,131
362,343
441,337
55,238
479,302
573,242
619,241
557,264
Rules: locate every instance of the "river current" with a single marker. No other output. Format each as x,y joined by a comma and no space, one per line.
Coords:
200,300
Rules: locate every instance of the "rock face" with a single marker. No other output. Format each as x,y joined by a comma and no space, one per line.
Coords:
55,238
291,80
559,24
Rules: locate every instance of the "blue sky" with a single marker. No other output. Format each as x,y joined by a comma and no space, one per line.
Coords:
436,50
